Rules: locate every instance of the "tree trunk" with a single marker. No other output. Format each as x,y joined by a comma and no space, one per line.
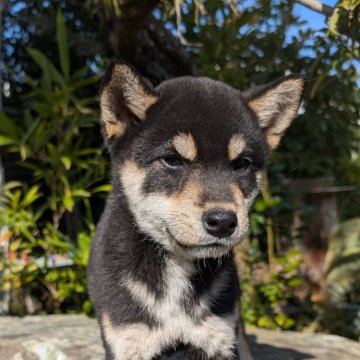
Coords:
138,37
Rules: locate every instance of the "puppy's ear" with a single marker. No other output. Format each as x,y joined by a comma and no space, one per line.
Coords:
124,94
276,105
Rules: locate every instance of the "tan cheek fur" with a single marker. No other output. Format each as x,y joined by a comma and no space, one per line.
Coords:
187,225
152,211
238,195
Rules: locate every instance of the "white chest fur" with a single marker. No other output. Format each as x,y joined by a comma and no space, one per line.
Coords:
138,341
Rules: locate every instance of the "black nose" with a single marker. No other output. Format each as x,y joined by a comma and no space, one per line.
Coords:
220,223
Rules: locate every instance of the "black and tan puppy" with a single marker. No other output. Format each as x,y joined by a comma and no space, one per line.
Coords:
187,158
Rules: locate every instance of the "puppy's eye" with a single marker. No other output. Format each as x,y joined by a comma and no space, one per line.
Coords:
241,163
172,161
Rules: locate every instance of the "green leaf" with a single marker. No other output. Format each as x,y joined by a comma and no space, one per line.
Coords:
4,140
49,71
266,322
15,199
31,129
80,193
12,185
101,188
31,195
43,63
66,162
63,46
295,281
30,81
84,242
15,244
28,234
334,21
8,127
54,154
6,285
68,201
317,85
284,321
88,81
58,243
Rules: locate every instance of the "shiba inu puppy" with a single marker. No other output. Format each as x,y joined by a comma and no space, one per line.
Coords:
187,158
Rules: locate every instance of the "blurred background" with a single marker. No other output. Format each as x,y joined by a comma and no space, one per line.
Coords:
300,266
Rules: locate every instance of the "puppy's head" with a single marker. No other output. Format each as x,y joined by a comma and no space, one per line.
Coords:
189,154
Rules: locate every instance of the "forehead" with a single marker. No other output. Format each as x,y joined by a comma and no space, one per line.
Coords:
210,111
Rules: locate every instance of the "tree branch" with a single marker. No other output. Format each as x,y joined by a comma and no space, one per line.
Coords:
317,6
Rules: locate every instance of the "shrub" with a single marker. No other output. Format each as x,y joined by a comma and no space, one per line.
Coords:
49,223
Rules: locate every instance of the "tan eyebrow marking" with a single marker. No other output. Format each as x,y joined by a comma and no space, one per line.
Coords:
236,146
185,145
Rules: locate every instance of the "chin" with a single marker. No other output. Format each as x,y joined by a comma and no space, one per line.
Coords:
206,248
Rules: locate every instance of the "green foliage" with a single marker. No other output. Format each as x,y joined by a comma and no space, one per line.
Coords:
29,251
49,141
65,165
267,295
63,46
16,211
345,22
339,309
58,145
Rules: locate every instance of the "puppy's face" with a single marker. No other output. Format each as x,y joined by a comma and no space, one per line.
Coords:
190,153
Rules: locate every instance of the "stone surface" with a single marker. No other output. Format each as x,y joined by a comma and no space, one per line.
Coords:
290,345
56,337
77,337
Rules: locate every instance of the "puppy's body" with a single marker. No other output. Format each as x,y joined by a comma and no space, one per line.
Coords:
187,159
152,303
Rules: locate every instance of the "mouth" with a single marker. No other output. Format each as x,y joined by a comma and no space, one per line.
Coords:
210,245
205,246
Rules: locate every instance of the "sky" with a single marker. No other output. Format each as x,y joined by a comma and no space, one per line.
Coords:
315,20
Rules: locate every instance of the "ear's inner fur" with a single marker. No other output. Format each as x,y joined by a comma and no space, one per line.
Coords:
276,105
123,93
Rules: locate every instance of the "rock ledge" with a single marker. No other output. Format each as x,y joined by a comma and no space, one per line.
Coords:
76,337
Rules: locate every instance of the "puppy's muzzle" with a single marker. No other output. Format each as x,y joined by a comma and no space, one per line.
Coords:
220,223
